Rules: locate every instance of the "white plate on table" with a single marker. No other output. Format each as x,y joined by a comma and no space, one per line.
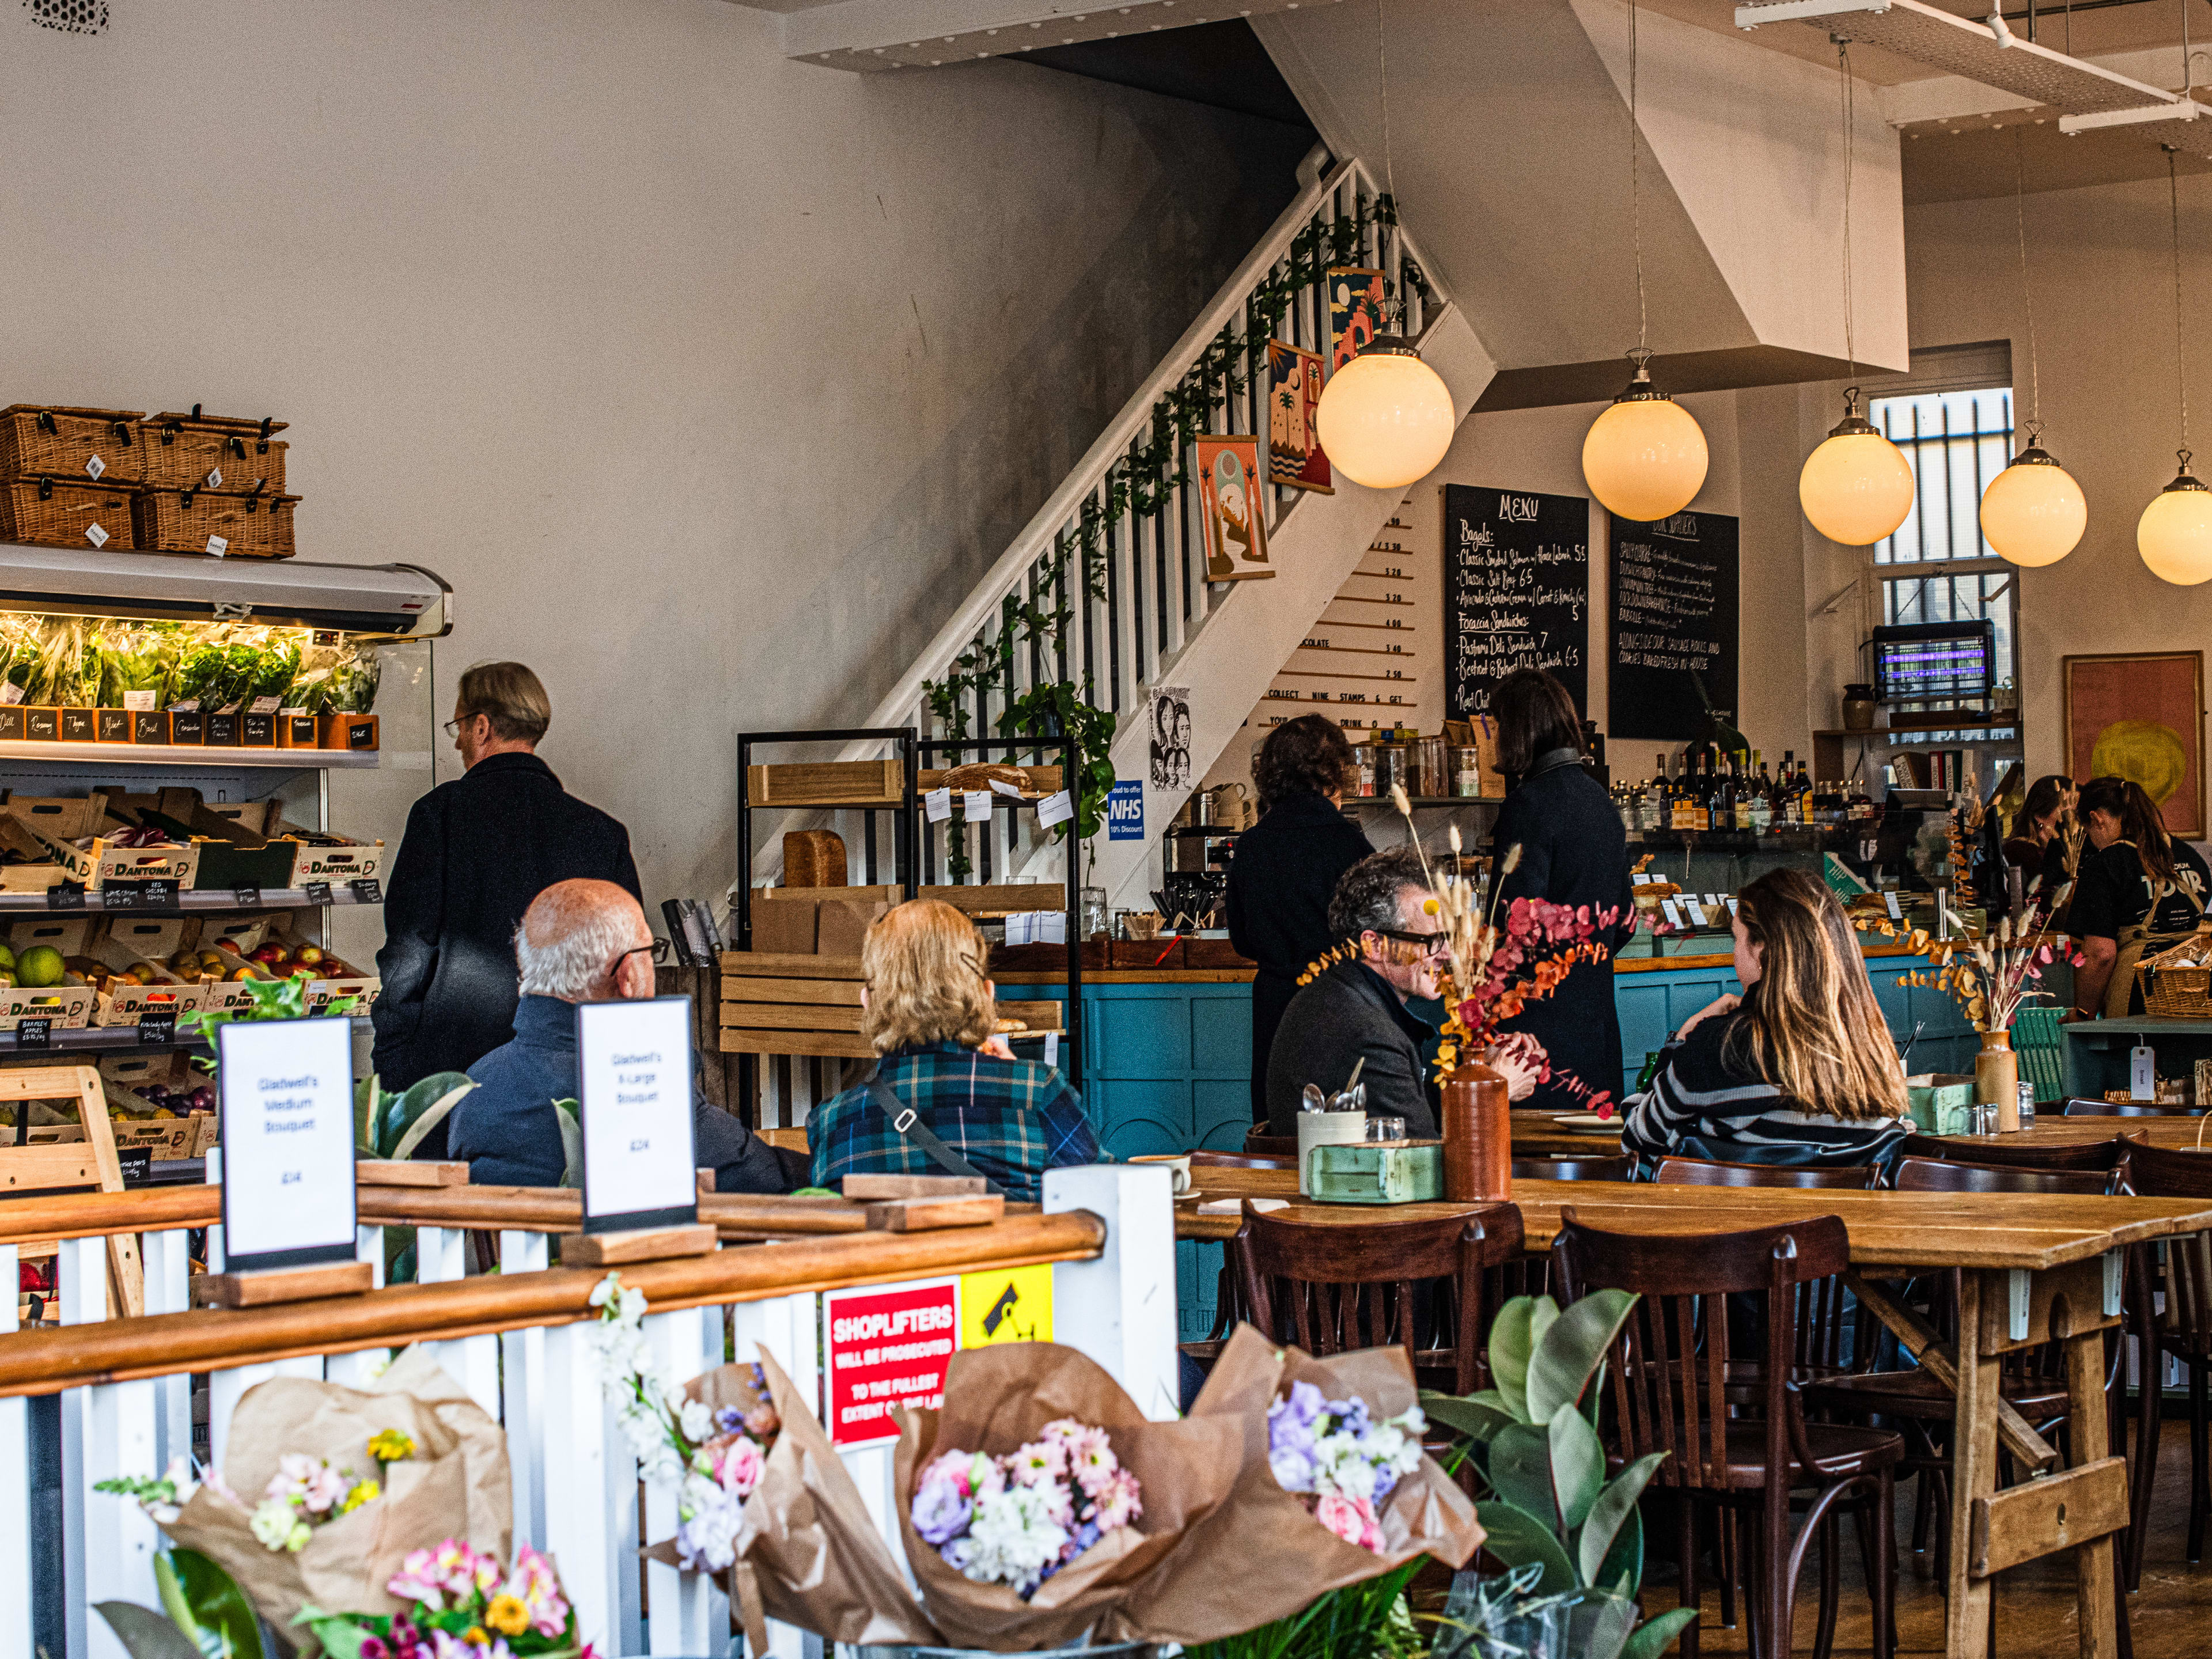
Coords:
1587,1123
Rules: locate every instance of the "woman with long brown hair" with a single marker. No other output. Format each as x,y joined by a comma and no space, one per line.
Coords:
1799,1069
2139,891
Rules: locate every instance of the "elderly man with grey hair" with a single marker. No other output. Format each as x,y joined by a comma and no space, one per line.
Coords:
581,941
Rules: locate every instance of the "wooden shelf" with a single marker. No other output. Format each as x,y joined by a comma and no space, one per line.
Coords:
1420,801
188,902
184,753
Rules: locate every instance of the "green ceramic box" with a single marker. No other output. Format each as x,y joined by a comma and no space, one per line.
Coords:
1377,1172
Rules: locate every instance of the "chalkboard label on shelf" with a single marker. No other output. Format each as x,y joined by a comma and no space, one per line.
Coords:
1517,592
123,896
80,726
319,892
161,893
42,724
367,891
149,725
136,1164
11,724
187,726
257,730
1674,625
157,1031
65,895
35,1033
222,730
249,898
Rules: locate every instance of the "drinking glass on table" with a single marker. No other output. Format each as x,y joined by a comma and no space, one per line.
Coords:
1386,1128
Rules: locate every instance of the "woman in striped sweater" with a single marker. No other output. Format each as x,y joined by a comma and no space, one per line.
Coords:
1800,1069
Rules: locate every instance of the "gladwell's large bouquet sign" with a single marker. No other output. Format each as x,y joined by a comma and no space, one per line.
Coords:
634,1063
1517,592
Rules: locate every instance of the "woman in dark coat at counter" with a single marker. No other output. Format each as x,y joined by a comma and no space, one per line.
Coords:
1285,868
1573,851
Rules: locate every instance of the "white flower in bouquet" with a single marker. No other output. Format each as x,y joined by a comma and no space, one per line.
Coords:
695,1420
1014,1537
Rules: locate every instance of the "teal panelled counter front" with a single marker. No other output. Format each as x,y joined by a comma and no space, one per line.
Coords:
1168,1056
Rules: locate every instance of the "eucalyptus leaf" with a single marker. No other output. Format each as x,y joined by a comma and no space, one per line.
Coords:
144,1634
1518,1538
1614,1506
1578,1466
1568,1351
1520,1470
1479,1416
218,1606
1651,1637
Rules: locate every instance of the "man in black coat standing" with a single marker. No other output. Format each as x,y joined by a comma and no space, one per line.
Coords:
476,852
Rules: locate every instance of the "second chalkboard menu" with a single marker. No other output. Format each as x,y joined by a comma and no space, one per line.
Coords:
1517,592
1674,626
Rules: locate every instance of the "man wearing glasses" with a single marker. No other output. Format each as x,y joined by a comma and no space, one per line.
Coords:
478,850
1354,1011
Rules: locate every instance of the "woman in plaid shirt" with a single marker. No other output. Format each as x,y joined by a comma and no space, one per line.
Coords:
928,1011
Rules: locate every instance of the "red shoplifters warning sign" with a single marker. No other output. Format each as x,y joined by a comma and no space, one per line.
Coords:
888,1348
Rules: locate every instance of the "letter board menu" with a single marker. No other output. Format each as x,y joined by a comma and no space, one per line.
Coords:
1517,592
1674,625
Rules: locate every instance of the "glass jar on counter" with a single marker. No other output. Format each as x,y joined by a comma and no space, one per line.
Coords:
1429,768
1362,768
1392,763
1466,770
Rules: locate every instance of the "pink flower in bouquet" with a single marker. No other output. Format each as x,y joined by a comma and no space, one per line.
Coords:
314,1483
1352,1519
1118,1502
1091,1457
418,1579
738,1467
762,1421
1038,1462
532,1583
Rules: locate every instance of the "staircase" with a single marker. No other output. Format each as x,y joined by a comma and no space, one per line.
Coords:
1115,551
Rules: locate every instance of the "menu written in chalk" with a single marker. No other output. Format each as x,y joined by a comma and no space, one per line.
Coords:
634,1066
285,1088
1517,592
1675,626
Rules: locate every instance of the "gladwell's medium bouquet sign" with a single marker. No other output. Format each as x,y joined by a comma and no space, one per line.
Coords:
286,1092
634,1061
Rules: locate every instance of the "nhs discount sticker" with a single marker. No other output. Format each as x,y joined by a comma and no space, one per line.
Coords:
887,1348
285,1089
634,1066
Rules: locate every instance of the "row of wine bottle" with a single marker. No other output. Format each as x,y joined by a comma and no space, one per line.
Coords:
1712,789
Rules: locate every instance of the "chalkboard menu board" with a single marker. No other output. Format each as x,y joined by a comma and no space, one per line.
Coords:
1517,592
1675,631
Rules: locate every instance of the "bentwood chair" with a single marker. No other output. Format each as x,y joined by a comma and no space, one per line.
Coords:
1672,1392
1598,1167
1335,1286
1205,1160
1701,1172
2126,1109
2100,1156
1257,1139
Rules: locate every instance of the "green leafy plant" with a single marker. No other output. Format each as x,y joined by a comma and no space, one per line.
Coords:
1366,1621
1533,1441
204,1613
392,1126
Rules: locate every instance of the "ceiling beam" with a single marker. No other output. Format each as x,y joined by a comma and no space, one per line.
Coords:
887,34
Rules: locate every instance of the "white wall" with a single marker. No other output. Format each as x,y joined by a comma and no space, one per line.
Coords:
710,380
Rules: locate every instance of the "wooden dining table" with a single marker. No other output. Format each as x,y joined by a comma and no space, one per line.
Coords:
2033,1268
1537,1134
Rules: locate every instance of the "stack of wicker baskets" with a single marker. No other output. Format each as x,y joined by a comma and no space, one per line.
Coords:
168,483
2177,983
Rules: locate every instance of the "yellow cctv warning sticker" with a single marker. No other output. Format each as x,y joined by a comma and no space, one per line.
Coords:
1008,1304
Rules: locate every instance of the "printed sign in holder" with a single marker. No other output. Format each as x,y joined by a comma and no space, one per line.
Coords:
285,1090
640,1178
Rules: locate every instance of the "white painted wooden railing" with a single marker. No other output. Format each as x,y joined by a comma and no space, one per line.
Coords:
126,1391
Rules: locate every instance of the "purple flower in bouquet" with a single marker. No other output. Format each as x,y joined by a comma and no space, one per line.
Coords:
941,1510
1290,1423
1340,1459
1019,1518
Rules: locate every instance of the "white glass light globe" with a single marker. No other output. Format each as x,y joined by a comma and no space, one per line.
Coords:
1386,417
1645,458
2174,534
1857,487
2032,513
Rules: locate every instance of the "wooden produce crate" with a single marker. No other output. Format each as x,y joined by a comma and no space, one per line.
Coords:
999,897
777,1003
1043,780
89,1162
1038,1018
345,732
257,526
181,450
827,783
51,512
36,438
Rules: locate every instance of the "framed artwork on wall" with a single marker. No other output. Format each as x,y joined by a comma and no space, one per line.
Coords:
1294,452
1233,508
2140,715
1356,305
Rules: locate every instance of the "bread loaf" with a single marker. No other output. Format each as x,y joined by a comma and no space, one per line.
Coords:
813,857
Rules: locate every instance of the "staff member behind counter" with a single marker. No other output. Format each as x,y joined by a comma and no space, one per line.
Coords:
2139,891
1284,869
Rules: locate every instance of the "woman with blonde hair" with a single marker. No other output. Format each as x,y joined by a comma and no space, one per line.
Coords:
1799,1069
948,1097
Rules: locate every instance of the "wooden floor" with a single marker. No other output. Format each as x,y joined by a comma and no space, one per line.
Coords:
2171,1613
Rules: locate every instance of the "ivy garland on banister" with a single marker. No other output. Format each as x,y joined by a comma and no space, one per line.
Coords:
1140,481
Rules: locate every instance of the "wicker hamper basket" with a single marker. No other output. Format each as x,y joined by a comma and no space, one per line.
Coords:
255,525
2174,986
38,439
182,449
64,513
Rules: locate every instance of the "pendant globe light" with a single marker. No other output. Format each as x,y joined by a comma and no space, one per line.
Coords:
1857,486
1386,418
2174,534
1644,458
2032,513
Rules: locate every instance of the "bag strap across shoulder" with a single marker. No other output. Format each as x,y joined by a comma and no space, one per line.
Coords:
908,1122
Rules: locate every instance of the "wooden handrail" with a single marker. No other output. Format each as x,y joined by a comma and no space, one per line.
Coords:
89,1215
46,1359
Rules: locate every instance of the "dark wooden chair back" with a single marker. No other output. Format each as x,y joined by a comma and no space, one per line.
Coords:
2078,1108
1928,1175
1257,1141
1244,1160
2186,1316
1700,1172
1676,1383
1990,1150
1335,1286
1619,1168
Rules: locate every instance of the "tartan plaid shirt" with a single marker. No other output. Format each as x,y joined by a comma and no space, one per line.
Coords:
1012,1120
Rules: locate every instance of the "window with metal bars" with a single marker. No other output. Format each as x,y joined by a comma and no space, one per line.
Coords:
1936,566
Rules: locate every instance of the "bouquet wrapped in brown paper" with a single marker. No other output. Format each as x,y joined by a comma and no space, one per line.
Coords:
325,1490
1263,1555
1167,1478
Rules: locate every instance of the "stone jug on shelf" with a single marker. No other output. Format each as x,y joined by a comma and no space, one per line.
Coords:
1858,707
